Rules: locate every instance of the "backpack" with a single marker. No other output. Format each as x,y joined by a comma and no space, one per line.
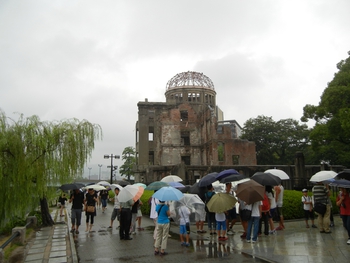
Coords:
265,204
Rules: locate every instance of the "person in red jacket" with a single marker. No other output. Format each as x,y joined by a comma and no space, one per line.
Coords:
343,201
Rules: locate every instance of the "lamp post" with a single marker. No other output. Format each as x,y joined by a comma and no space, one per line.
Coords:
89,172
99,173
106,156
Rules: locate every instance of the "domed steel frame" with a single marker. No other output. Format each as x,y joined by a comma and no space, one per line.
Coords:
190,79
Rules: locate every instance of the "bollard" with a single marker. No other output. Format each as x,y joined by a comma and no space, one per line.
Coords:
22,234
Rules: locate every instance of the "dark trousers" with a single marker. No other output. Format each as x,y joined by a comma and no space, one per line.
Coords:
125,222
264,218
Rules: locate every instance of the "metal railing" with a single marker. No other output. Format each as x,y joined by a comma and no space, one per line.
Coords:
14,235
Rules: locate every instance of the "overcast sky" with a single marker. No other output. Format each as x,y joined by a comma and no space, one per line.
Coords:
96,60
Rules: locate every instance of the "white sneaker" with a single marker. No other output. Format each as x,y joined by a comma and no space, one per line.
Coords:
230,232
348,242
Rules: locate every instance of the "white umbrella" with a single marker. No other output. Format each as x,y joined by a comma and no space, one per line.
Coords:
277,172
114,186
141,184
104,183
323,176
191,200
129,192
96,187
171,178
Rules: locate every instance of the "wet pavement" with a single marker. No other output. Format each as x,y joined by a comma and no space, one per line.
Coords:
293,244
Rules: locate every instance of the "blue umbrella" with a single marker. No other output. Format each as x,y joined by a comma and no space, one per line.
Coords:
226,173
168,193
207,179
340,183
176,184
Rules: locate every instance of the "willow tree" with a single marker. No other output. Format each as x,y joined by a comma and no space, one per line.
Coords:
36,155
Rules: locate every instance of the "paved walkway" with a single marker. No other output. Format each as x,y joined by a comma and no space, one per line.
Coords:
294,244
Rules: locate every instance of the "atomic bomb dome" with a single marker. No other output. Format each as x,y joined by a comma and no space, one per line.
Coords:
190,79
191,87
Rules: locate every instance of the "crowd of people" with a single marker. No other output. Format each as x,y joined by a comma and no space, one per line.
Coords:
252,216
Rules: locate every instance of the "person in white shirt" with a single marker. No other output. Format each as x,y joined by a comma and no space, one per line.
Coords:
116,210
254,222
279,192
308,211
184,215
154,215
273,208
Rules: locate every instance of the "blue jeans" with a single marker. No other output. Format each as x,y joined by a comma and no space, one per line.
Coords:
211,221
346,223
253,221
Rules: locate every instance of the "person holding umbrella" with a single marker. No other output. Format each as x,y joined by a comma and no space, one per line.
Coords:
90,203
116,209
279,192
211,215
77,200
254,222
125,219
231,215
343,201
163,225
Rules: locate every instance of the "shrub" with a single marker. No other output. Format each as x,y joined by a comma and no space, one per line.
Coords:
14,222
145,208
38,216
293,207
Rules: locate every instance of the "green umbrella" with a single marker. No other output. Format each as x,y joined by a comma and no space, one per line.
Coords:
156,185
221,202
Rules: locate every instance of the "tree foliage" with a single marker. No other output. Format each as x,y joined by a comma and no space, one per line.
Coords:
330,137
128,156
36,155
276,142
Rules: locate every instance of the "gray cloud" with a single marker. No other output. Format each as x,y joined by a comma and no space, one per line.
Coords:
95,61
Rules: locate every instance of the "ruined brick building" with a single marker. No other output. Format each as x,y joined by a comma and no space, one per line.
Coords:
186,135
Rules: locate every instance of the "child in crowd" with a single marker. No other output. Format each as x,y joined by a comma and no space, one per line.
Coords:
221,225
308,212
184,214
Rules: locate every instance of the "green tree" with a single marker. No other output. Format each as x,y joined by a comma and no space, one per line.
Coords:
128,156
276,142
37,155
330,137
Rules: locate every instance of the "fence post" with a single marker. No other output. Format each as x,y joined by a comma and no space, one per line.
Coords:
32,221
2,256
22,234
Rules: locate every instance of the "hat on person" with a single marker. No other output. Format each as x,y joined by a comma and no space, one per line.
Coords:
304,190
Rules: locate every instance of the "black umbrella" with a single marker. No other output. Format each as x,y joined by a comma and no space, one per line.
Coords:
208,179
225,173
185,189
200,191
232,178
266,178
67,187
344,174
